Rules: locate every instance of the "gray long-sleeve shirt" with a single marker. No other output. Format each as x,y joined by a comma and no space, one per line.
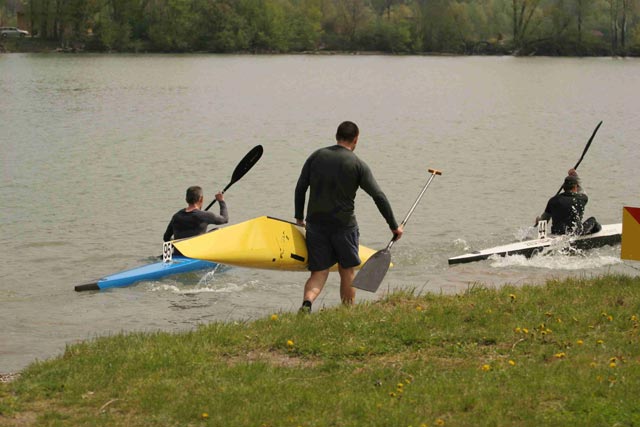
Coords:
185,224
333,175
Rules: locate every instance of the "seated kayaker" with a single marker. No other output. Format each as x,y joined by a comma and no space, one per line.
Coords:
567,208
192,220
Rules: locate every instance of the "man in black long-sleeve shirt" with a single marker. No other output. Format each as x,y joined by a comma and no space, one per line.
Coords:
567,208
333,175
192,221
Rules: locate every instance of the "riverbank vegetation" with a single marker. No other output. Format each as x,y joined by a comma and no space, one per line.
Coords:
563,353
522,27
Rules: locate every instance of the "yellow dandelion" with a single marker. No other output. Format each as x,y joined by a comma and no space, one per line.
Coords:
400,385
408,380
525,330
392,394
634,318
419,308
289,343
579,342
559,320
612,364
486,368
560,355
517,330
610,318
204,415
603,314
600,342
512,296
592,364
274,317
439,422
512,363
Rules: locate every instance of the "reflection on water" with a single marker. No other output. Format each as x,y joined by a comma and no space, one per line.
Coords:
97,151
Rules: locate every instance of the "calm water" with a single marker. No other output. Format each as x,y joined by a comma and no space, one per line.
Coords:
96,152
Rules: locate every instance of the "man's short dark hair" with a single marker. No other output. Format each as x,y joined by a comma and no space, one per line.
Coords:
570,182
193,194
347,132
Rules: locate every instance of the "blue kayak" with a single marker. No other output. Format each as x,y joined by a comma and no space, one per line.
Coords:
157,270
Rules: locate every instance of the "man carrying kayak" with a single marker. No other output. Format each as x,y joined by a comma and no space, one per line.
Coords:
567,208
333,174
192,220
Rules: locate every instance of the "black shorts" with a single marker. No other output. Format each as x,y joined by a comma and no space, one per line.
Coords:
328,245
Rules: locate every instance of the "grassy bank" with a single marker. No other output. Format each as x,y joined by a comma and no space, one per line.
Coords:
566,353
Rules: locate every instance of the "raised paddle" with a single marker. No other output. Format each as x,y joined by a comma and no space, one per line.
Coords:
373,271
586,148
243,167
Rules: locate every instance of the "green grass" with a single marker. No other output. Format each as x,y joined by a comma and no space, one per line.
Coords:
566,353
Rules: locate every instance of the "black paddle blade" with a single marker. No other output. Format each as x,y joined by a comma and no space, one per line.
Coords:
245,164
373,271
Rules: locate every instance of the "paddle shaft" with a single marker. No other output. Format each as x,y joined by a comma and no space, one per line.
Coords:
247,162
433,172
586,148
373,271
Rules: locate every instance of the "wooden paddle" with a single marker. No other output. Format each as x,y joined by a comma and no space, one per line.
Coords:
373,271
586,148
247,162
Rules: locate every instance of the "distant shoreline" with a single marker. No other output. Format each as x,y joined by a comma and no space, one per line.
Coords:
35,45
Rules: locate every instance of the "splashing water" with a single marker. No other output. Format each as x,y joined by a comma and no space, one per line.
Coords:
554,259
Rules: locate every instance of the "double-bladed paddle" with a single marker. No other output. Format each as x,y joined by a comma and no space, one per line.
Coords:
586,148
247,162
373,271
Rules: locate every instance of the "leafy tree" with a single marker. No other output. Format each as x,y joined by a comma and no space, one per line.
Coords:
524,12
170,25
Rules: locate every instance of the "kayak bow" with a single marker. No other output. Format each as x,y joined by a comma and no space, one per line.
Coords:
157,270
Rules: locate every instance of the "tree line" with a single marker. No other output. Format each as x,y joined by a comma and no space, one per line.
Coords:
525,27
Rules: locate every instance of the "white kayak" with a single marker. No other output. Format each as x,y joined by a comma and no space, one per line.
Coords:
609,235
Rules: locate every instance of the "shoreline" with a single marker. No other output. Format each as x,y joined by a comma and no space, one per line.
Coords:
31,45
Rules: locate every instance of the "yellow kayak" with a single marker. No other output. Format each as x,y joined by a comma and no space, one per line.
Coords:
263,242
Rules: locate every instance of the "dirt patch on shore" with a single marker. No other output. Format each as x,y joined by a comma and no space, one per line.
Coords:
7,378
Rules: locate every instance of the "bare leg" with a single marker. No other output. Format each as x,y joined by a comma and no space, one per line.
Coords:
347,292
314,284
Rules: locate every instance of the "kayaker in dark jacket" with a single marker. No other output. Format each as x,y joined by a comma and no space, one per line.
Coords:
333,175
192,221
567,208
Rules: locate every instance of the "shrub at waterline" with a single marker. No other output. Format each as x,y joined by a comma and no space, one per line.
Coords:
565,353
